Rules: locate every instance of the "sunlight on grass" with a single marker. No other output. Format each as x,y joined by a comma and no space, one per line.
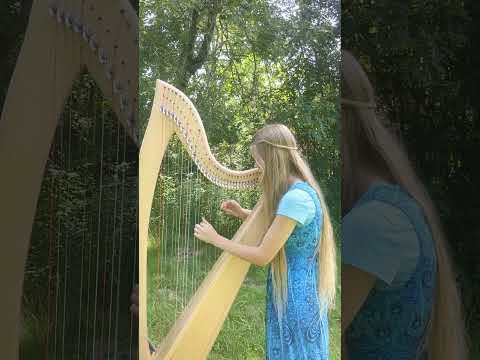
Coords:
243,334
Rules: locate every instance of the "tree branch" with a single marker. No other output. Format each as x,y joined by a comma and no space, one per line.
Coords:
192,62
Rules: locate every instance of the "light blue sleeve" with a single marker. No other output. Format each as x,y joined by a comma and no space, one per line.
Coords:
380,239
298,205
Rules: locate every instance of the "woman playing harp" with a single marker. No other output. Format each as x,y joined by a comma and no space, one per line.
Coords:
299,247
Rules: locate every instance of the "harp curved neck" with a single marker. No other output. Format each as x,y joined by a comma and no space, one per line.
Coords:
107,39
176,109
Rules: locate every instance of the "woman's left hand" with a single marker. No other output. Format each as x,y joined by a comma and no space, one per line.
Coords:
205,232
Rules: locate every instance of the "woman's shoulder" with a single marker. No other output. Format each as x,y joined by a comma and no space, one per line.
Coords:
379,238
298,193
376,215
297,203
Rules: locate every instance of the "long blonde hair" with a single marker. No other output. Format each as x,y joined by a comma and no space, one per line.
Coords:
274,148
366,137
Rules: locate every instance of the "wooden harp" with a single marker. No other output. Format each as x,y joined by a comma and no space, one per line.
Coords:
195,330
63,38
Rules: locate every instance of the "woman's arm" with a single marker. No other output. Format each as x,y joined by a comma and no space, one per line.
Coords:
356,285
261,255
245,213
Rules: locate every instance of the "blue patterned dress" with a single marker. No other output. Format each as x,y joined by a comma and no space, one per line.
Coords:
303,333
377,238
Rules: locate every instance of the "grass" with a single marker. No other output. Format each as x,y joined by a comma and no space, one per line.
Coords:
243,334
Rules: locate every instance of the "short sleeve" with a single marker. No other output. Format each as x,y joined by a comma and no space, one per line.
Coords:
378,238
298,205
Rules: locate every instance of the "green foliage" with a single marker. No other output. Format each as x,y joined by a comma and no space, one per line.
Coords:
266,62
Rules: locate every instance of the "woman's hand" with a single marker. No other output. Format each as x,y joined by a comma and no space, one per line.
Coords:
205,231
233,208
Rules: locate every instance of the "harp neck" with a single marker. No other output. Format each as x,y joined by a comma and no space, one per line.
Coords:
106,36
175,111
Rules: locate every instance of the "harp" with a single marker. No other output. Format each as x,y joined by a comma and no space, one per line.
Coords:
63,38
195,330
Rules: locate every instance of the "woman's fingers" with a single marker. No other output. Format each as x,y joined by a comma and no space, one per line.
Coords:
228,204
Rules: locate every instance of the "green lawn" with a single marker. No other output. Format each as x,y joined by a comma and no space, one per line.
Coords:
242,336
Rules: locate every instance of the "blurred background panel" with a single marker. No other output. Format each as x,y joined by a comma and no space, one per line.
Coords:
423,60
81,264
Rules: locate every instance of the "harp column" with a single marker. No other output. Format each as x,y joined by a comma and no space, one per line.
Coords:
29,119
154,144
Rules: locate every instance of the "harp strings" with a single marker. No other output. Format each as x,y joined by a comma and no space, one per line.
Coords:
177,261
85,254
119,277
119,167
93,101
84,145
114,235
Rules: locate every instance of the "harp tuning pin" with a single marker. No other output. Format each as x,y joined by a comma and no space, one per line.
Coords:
77,26
52,10
102,56
109,72
69,21
117,87
86,34
123,102
93,43
60,16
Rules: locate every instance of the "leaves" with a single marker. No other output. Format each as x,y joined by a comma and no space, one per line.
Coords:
267,62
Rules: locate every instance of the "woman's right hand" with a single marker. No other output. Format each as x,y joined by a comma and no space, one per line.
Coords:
233,208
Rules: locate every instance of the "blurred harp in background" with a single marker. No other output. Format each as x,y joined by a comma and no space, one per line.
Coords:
68,154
